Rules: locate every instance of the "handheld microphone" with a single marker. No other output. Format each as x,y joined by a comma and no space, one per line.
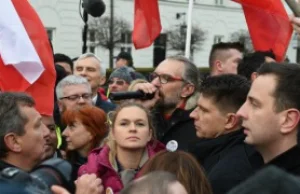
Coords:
130,95
95,8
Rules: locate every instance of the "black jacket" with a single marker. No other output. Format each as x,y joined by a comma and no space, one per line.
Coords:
288,161
179,127
227,160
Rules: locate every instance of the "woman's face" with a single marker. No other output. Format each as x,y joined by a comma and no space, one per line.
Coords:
77,136
131,128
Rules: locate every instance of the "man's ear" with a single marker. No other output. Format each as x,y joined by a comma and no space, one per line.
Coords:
102,80
187,90
289,120
12,142
232,121
253,76
219,65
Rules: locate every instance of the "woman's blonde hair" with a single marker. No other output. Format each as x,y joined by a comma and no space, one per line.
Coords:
111,119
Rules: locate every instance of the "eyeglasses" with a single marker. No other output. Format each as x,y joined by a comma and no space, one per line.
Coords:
86,96
164,78
118,82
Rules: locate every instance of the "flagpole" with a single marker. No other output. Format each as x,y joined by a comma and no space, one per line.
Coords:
189,29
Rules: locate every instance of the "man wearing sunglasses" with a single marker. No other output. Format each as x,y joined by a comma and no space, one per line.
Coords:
120,79
174,83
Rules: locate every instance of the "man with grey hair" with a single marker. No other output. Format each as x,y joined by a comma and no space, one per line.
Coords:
174,83
73,91
90,67
22,132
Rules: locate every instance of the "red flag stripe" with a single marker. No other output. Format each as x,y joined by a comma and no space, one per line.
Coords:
147,26
269,25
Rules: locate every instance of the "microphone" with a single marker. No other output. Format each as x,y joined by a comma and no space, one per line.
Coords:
95,8
131,95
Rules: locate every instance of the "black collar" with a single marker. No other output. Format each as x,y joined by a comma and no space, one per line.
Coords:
288,160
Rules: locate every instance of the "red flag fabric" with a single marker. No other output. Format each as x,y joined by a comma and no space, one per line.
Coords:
147,26
26,58
268,25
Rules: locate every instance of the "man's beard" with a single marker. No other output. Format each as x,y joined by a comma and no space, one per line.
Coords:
166,105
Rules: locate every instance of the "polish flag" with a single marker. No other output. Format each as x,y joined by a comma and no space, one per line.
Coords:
26,58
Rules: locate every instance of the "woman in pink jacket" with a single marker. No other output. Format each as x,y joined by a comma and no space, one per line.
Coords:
129,145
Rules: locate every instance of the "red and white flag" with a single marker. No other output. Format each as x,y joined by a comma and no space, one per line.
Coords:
26,58
147,24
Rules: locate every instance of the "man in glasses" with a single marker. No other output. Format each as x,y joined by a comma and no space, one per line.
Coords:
174,83
73,91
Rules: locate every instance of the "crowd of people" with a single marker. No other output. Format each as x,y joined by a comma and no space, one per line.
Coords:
199,134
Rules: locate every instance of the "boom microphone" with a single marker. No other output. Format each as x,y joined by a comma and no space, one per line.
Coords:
95,8
131,95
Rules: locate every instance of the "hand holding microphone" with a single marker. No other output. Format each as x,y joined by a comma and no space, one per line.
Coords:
145,93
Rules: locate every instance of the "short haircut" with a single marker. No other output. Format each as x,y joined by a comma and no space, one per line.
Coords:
152,183
12,120
287,90
92,55
59,57
218,49
251,62
191,74
228,91
69,81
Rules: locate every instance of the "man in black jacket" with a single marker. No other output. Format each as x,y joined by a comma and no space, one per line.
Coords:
223,154
271,115
174,82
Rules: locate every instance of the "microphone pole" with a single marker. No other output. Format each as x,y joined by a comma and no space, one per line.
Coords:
85,30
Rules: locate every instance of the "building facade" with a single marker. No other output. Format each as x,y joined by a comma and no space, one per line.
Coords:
217,18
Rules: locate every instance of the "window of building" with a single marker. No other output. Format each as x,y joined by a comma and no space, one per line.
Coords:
218,38
126,42
219,2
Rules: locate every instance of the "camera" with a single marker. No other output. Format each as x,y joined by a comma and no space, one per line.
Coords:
54,171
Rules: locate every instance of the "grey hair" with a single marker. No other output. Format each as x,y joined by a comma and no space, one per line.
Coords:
69,81
12,120
92,55
191,74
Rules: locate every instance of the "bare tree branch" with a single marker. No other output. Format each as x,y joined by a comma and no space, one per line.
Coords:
177,38
101,27
243,37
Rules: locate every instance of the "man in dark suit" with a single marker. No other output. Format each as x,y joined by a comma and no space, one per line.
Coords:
225,157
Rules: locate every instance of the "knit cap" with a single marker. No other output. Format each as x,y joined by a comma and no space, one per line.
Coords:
125,73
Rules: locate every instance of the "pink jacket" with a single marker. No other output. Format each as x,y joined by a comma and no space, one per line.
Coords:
98,163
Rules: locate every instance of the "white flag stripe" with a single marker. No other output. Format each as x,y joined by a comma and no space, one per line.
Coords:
16,47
